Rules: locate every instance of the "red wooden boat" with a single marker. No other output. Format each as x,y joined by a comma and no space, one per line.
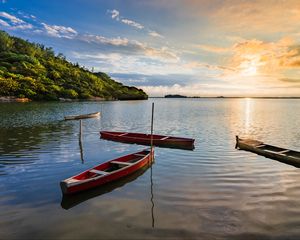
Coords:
107,172
145,139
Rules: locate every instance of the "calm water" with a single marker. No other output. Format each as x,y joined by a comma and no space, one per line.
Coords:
213,192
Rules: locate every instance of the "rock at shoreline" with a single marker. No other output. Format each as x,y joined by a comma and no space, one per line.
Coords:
14,99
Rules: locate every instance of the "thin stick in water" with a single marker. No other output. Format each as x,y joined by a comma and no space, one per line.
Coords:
152,117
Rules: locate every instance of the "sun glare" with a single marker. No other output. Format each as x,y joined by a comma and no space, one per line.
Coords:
250,71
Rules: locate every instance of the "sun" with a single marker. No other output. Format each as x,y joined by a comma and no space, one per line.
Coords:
250,71
249,68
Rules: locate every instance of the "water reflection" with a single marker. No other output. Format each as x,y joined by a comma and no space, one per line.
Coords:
18,144
80,141
70,201
182,147
248,108
213,192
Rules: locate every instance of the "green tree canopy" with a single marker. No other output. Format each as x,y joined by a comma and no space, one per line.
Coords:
34,71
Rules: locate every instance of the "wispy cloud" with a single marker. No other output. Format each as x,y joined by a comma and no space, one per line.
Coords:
133,47
291,80
195,64
104,40
132,23
27,16
211,48
14,22
3,23
115,14
59,31
12,18
155,34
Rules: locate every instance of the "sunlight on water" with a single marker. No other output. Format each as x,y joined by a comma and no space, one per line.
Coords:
214,191
248,106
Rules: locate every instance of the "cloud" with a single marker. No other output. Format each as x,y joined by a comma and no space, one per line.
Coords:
291,80
211,48
114,14
104,40
12,18
122,62
59,31
132,23
27,16
155,34
155,79
216,89
267,57
195,64
267,16
3,23
132,47
253,56
14,22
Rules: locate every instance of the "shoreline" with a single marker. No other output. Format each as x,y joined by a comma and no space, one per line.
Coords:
228,97
13,99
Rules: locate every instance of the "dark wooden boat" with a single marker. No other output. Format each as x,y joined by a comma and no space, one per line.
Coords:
76,117
281,154
107,172
145,139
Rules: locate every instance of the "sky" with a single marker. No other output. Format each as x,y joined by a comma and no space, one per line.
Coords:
202,48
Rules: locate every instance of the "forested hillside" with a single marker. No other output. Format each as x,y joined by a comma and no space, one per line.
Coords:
36,72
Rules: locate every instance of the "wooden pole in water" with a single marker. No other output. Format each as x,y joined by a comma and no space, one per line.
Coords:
237,141
152,117
152,158
80,141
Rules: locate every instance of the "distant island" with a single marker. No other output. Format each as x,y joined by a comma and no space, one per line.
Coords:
33,71
175,96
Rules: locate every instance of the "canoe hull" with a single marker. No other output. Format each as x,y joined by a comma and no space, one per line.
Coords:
85,185
290,157
145,139
90,115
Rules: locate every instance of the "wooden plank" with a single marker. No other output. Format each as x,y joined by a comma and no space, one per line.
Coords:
98,172
124,163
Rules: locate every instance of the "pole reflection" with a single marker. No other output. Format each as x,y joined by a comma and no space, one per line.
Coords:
152,196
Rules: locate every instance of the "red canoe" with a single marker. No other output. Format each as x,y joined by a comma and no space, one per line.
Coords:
107,172
145,139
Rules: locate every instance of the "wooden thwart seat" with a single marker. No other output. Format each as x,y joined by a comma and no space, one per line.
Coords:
164,138
121,163
261,145
281,152
123,134
98,172
284,151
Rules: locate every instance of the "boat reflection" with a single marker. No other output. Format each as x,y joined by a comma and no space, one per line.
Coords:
69,201
190,147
